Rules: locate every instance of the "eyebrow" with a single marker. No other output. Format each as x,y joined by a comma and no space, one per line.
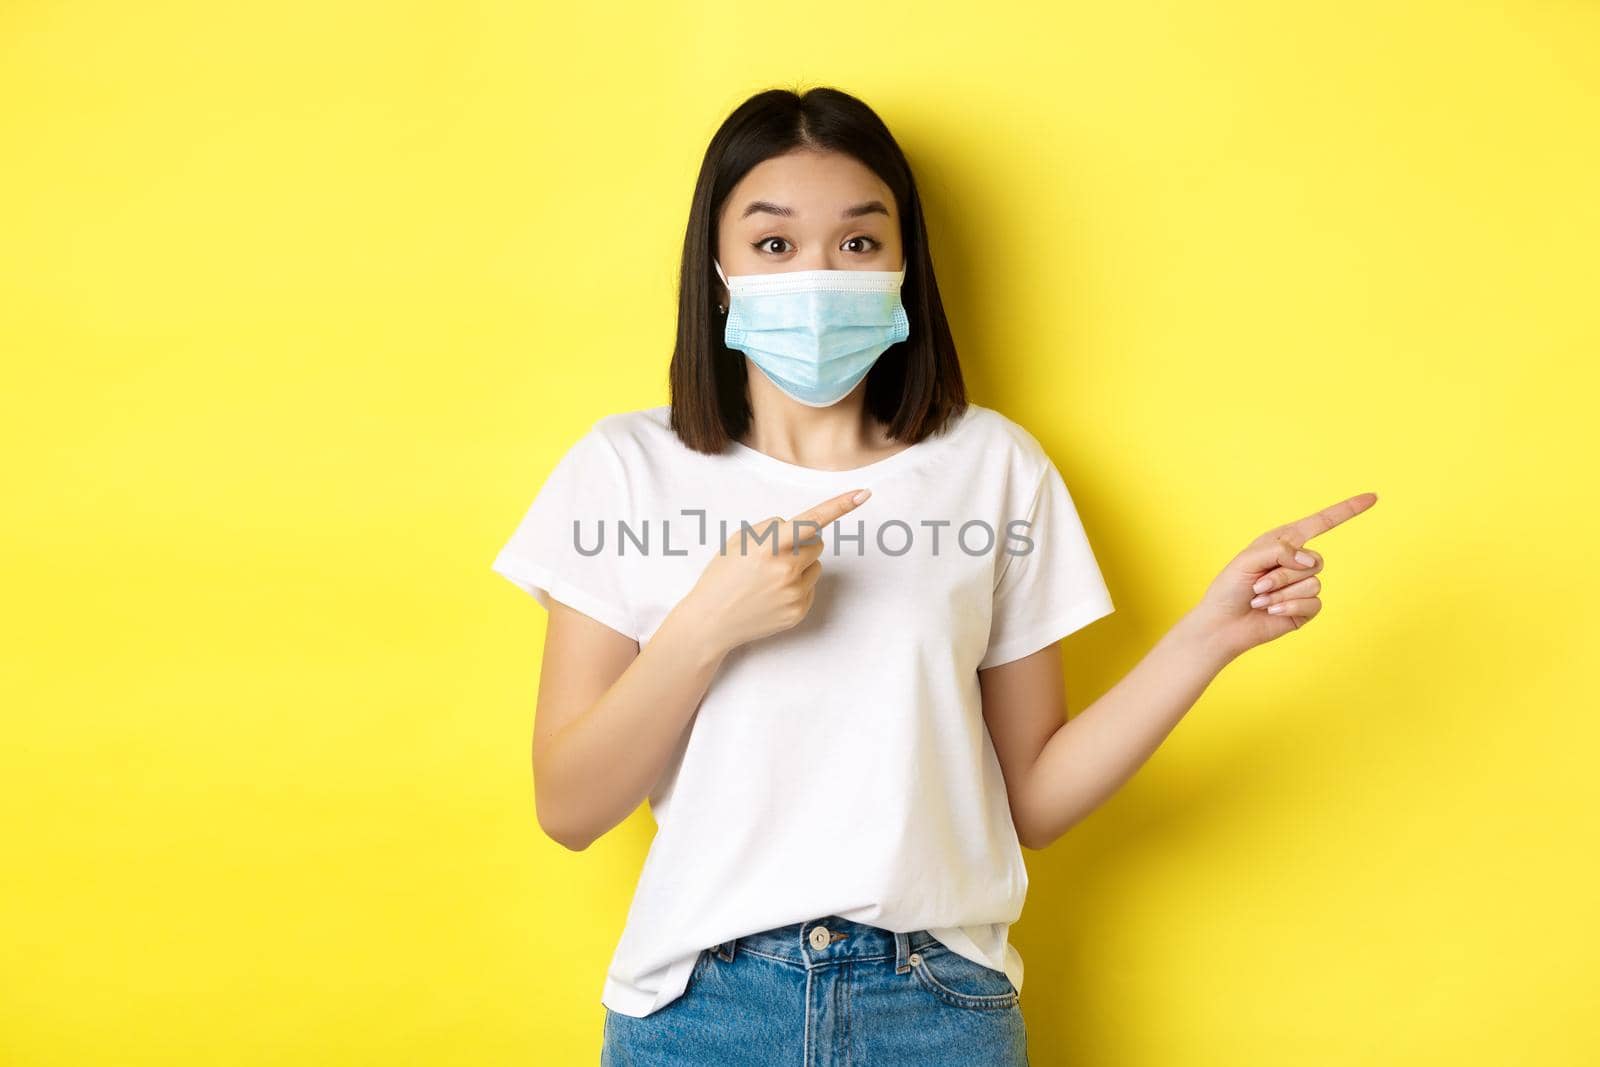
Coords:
866,207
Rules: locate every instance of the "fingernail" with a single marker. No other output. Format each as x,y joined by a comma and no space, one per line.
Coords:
1276,609
859,497
1262,586
1258,601
1305,559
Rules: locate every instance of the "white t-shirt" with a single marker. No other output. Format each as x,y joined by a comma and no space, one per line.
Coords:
841,767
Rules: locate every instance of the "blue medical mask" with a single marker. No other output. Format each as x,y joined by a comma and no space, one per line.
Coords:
815,333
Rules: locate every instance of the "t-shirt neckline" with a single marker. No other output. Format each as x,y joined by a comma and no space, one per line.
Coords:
876,469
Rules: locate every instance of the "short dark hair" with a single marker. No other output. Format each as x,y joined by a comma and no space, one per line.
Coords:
915,386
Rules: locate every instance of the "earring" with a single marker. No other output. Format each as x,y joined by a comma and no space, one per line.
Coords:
721,310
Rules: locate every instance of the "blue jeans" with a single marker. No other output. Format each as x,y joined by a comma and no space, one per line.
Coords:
828,992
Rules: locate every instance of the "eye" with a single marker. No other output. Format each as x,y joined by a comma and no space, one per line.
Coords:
765,245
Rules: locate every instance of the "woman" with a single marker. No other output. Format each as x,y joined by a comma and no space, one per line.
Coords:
846,721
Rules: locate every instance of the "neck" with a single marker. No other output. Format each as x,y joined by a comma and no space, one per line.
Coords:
837,437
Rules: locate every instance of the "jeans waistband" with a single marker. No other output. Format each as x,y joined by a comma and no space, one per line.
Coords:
829,939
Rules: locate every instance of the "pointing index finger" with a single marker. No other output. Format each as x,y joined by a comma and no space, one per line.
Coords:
1320,522
826,512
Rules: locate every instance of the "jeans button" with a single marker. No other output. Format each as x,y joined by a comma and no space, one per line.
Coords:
819,938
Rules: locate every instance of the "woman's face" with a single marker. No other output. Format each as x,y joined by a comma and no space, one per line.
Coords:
808,210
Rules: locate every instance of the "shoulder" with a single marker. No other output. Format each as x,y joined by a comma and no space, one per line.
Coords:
642,431
641,424
623,434
1003,438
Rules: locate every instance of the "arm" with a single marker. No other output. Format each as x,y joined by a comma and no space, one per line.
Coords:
1058,772
610,714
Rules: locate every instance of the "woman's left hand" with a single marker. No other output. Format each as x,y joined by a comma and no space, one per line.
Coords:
1271,587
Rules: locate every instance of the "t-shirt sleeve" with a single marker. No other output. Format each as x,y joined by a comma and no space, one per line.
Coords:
1050,589
565,546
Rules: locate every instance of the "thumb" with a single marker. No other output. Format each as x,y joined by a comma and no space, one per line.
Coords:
1275,550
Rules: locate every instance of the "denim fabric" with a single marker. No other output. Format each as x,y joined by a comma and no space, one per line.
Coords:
851,995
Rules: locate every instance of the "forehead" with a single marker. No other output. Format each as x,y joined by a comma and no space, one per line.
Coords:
815,184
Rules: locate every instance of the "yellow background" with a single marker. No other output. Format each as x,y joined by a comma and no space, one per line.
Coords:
300,302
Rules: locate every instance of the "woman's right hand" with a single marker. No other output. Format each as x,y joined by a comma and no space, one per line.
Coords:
763,581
